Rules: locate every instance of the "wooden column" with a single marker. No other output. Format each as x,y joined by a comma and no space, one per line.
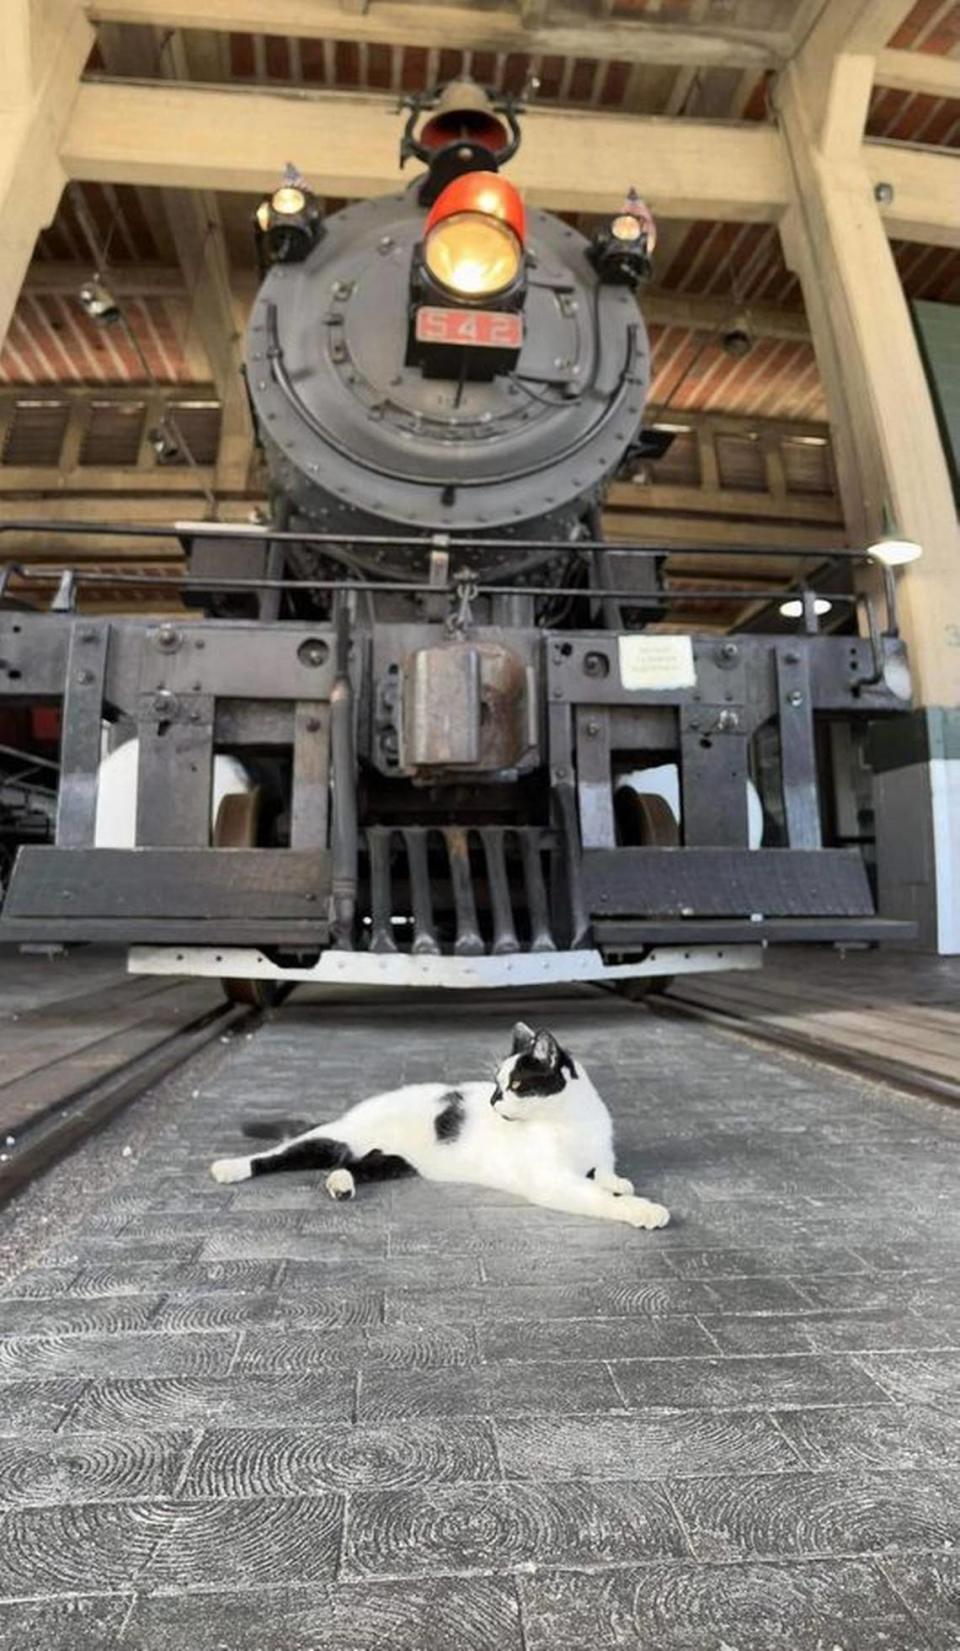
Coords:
890,451
197,230
43,47
889,457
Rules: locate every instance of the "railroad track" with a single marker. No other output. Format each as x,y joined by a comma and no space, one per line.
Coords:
913,1075
71,1061
81,1043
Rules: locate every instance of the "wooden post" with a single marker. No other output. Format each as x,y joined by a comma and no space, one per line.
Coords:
43,47
197,231
890,460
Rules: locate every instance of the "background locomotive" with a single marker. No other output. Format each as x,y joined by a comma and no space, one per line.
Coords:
431,728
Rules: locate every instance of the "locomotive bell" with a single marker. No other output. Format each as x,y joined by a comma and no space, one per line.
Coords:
463,112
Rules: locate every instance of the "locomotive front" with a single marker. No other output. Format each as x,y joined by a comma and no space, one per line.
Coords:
430,728
444,361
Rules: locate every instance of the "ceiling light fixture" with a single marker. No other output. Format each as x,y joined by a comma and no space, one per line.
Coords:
794,608
891,547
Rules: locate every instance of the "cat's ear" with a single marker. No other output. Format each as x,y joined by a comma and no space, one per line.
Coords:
523,1037
544,1051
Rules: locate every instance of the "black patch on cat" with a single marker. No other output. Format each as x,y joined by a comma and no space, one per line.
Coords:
533,1080
449,1122
379,1166
591,1173
318,1152
323,1152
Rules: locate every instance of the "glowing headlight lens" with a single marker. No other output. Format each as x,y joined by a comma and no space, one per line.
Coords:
288,200
625,227
472,254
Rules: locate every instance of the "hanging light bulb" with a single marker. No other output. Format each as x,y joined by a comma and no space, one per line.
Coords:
736,338
164,443
98,302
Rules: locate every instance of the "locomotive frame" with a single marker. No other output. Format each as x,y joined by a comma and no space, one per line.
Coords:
560,898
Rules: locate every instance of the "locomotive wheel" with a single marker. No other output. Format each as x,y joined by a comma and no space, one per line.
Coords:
647,821
237,824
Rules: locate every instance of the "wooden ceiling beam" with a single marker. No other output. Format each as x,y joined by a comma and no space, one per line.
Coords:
124,280
847,25
919,72
240,139
572,160
568,33
723,501
659,306
707,314
926,191
656,527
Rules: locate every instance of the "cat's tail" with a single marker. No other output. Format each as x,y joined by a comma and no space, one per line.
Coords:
273,1128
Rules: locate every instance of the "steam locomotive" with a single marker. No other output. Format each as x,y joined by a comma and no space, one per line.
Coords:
423,725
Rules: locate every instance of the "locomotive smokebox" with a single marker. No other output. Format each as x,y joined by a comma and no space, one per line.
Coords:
363,436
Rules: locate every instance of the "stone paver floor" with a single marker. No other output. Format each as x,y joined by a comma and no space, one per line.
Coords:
249,1419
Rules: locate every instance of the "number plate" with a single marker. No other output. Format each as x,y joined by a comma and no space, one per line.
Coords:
488,329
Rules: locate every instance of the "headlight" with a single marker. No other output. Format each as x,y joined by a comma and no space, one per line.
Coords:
288,199
473,254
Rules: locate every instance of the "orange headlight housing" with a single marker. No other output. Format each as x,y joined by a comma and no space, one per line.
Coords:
474,236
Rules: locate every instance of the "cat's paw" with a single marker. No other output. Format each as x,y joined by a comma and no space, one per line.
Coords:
340,1184
231,1169
639,1212
617,1184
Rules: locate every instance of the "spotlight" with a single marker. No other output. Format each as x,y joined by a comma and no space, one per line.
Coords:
165,445
894,551
736,339
891,547
794,608
99,303
289,223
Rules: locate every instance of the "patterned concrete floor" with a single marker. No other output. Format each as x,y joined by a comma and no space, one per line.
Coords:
248,1419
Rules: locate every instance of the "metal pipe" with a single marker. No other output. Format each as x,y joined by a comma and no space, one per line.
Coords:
423,541
345,831
45,575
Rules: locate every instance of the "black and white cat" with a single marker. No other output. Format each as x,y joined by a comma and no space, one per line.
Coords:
540,1131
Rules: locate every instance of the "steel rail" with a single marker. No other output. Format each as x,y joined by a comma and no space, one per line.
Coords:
58,1129
881,1068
